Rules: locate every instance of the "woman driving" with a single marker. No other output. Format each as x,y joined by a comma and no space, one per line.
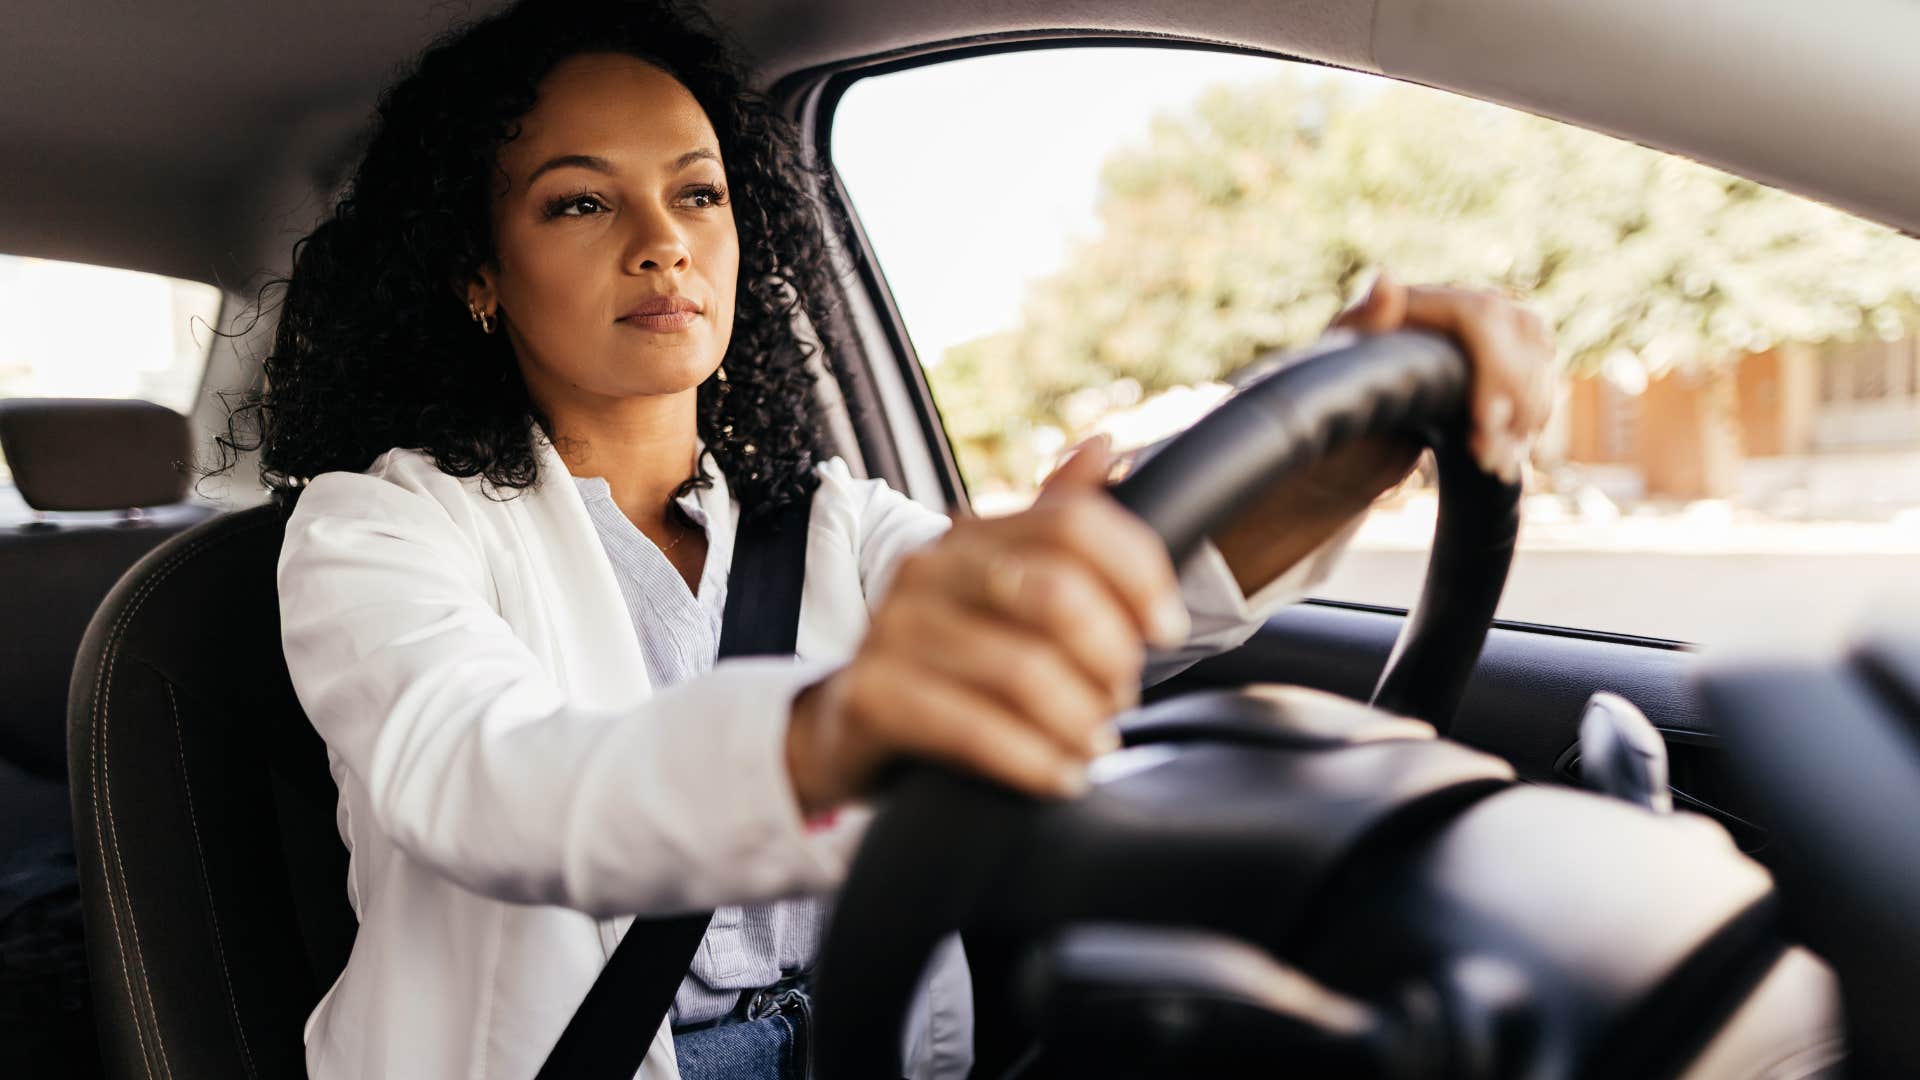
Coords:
532,372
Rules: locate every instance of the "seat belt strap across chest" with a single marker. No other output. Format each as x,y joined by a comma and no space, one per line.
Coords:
609,1034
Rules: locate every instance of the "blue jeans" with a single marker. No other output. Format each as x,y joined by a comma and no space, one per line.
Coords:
768,1044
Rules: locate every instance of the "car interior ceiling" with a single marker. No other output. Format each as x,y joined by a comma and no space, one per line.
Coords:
235,138
205,154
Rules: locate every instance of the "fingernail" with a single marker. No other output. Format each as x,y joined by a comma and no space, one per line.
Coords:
1503,456
1497,453
1072,781
1100,443
1360,302
1500,413
1517,465
1171,623
1489,452
1104,739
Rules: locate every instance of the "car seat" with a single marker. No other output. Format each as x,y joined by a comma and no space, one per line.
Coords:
210,865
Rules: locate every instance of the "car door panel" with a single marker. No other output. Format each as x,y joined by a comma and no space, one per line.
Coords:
1524,702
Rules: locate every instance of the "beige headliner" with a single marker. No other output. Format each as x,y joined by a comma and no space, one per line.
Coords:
1823,99
179,137
1819,98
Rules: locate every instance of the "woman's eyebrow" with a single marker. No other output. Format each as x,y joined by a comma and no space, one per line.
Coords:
578,161
602,165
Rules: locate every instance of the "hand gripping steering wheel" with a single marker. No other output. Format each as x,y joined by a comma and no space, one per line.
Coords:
940,855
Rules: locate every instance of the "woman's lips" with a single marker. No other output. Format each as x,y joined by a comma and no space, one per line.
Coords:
662,313
678,320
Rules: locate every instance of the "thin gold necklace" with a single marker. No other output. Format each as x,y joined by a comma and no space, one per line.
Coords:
684,531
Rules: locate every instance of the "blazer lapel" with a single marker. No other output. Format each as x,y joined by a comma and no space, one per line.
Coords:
599,662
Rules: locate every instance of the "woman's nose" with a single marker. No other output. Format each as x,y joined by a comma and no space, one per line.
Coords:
656,243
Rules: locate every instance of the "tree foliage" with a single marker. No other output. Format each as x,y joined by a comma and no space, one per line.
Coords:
1244,223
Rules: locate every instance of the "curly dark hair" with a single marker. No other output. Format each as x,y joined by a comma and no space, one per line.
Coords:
373,350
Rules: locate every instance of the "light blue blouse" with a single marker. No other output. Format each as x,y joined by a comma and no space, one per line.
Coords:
745,947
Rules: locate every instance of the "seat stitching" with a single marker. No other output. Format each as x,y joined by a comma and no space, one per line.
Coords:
113,905
133,924
100,705
200,857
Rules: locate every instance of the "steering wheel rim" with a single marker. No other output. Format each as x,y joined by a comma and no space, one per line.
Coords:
931,853
1410,382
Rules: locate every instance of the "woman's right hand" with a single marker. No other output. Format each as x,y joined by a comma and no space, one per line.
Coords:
1004,648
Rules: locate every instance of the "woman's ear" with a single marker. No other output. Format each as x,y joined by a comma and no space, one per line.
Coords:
478,290
481,299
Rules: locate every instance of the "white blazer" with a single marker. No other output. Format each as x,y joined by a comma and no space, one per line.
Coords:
511,789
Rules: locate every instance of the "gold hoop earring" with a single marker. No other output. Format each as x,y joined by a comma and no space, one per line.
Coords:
484,318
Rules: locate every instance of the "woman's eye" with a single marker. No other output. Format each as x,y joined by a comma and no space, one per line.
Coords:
705,196
575,206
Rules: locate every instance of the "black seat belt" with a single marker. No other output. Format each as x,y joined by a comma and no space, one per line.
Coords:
609,1033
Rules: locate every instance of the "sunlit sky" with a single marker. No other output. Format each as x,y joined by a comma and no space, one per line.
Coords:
972,177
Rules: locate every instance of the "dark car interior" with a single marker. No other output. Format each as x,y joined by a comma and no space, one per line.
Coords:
171,901
102,473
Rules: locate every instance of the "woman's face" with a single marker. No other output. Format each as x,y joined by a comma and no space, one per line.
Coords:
615,251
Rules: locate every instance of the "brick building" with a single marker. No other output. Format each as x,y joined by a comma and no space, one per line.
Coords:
1838,416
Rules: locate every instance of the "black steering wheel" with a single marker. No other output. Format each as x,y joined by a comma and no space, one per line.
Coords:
948,852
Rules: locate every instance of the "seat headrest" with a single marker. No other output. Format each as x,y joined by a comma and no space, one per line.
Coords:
94,454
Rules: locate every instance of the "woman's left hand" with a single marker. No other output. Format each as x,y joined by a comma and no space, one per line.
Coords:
1512,355
1508,346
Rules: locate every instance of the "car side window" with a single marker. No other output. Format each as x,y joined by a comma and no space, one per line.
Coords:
1101,239
73,330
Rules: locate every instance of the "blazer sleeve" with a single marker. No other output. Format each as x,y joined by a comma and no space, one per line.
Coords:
891,524
475,763
1223,616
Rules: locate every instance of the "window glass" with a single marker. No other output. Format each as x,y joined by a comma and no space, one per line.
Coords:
71,330
1102,239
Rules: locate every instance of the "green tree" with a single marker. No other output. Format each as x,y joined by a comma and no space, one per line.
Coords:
1242,224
